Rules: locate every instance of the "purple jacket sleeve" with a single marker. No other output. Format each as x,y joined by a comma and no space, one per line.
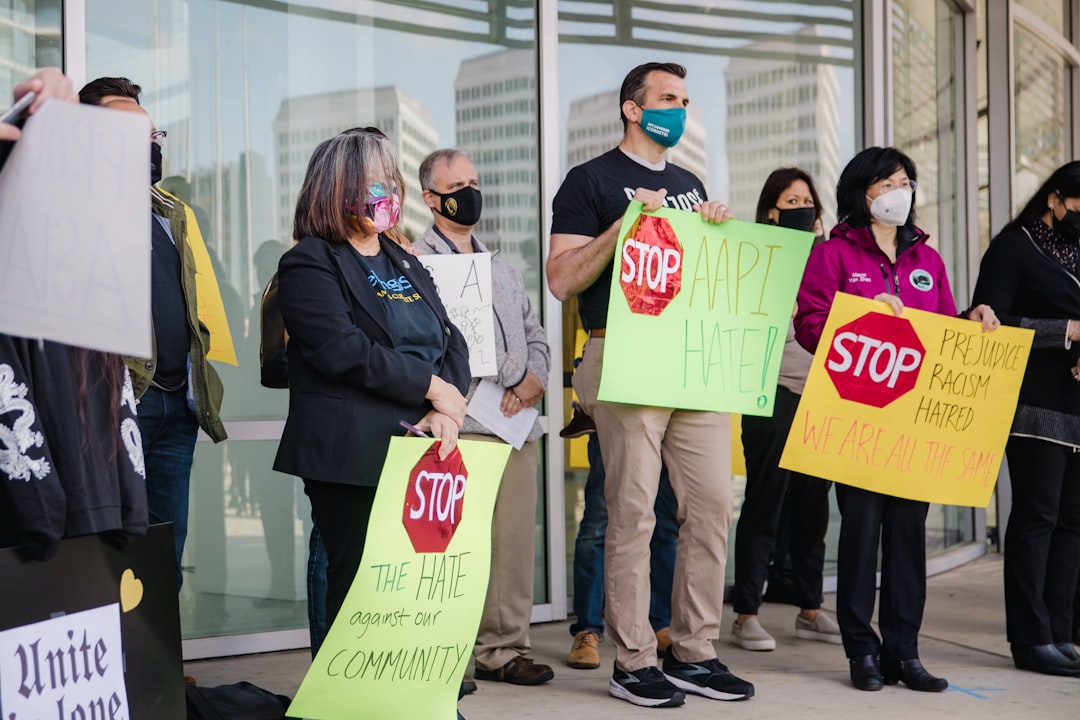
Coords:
820,282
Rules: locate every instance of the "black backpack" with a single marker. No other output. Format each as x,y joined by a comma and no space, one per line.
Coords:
240,701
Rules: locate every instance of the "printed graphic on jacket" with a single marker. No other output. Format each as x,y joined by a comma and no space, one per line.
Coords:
17,434
129,428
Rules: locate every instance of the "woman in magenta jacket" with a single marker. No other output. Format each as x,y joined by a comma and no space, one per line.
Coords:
877,252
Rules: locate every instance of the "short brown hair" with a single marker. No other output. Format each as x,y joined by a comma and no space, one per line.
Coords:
633,85
94,90
338,175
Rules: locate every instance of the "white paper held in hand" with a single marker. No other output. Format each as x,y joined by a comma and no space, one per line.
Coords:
484,407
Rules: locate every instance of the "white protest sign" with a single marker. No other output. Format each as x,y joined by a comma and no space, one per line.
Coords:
71,666
464,283
75,229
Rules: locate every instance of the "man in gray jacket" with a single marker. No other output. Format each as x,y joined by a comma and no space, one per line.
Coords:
452,191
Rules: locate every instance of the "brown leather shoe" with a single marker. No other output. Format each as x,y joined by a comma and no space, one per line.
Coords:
585,652
663,641
519,671
580,424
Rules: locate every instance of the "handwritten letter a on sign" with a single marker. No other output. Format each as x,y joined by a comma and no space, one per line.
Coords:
75,230
464,283
917,406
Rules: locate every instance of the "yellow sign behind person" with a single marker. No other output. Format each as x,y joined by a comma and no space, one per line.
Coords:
936,431
211,306
405,633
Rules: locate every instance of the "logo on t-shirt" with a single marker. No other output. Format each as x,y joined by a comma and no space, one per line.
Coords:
398,288
681,201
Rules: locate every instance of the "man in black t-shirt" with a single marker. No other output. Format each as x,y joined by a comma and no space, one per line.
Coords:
695,445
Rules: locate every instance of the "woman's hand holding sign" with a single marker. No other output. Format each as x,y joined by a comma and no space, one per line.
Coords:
892,301
986,315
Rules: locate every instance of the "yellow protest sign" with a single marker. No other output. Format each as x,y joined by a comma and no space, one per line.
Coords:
917,406
400,644
210,306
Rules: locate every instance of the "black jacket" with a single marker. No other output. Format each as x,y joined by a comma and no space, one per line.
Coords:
348,388
1028,288
65,471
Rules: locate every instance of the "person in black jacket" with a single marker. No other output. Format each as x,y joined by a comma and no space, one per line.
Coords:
370,344
1030,276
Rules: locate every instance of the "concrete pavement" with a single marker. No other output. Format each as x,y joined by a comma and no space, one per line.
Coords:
963,639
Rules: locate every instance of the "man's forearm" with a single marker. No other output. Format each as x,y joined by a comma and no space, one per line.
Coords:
578,268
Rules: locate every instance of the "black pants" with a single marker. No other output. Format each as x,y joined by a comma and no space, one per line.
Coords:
1042,541
808,497
900,525
341,513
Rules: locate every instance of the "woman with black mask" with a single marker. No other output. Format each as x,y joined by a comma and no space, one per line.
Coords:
789,200
1030,275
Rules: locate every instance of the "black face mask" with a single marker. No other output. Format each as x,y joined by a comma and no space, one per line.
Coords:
155,163
462,206
797,218
1068,227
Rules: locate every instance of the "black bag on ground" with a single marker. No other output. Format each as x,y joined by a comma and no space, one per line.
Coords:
240,701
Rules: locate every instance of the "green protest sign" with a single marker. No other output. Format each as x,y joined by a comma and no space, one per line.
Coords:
698,312
400,644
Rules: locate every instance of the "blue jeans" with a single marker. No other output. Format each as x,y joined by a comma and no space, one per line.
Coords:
316,590
589,551
168,428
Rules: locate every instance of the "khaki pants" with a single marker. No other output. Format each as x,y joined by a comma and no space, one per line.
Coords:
504,626
696,446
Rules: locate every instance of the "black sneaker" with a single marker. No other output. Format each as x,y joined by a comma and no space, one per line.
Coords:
646,687
710,678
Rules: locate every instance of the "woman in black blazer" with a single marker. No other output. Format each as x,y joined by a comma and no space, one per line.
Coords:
370,344
1031,276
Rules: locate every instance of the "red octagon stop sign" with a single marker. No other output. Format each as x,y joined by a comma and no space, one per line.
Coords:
434,500
875,359
651,267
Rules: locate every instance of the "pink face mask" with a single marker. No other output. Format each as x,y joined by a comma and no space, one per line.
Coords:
382,206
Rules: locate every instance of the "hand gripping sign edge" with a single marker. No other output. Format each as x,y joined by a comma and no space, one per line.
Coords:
874,359
434,500
650,269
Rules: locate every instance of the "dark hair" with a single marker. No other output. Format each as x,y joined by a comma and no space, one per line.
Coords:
1064,181
866,168
633,85
94,90
338,174
90,368
778,181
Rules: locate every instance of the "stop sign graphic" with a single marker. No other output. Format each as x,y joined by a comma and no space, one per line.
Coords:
651,266
434,500
874,359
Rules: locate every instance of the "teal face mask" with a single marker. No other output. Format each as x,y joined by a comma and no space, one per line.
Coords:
664,125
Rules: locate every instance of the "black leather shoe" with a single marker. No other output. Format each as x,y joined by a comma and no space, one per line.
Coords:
913,674
1069,651
866,673
1045,659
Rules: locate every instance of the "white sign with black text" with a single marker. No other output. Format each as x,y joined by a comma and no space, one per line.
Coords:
464,283
71,666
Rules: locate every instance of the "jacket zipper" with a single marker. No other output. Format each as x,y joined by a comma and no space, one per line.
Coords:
895,289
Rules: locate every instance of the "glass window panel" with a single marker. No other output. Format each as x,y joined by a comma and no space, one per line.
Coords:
765,92
927,128
246,91
1052,12
29,41
1043,128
